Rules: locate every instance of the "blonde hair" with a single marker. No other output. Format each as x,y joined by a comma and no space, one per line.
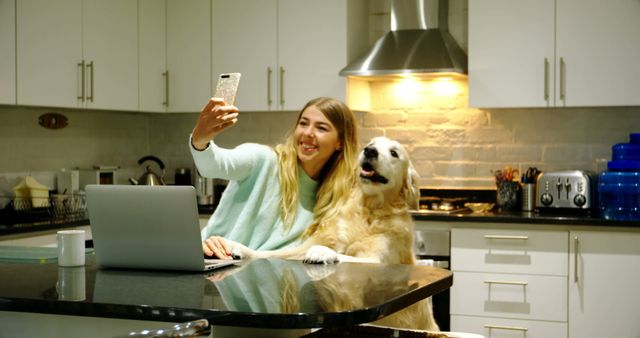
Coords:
337,177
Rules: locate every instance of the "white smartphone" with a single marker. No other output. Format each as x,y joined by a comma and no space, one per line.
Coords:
227,87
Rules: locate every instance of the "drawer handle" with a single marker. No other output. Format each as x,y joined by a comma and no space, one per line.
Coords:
522,238
505,282
502,327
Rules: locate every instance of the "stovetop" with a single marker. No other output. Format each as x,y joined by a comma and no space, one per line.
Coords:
443,205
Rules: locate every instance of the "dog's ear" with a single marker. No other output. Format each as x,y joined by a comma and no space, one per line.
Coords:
411,188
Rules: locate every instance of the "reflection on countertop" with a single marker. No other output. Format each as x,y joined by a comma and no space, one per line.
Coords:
266,293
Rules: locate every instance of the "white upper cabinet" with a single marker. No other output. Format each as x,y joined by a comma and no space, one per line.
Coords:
189,54
599,46
152,50
73,53
110,42
7,52
174,54
312,49
245,40
288,51
509,44
49,43
554,53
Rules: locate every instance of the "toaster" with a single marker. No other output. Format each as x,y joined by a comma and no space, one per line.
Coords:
566,189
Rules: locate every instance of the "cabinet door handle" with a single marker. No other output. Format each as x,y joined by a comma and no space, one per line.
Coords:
82,84
562,79
281,87
521,238
576,245
166,89
546,79
90,66
502,327
269,72
520,283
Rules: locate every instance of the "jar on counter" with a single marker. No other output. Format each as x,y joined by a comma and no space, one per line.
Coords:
619,186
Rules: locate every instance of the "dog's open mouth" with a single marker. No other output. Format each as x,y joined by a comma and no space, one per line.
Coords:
369,173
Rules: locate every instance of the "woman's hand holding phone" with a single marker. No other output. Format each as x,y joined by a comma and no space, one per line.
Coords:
215,117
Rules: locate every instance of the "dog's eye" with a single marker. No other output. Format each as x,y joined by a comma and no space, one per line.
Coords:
394,153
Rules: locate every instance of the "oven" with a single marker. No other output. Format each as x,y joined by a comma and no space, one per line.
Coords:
432,248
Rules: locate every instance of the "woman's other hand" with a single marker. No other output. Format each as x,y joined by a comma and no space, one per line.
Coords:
216,247
215,117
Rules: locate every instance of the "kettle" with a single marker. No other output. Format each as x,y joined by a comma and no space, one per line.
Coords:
149,177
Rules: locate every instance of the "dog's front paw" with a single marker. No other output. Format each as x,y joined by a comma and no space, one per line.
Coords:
236,253
239,251
320,254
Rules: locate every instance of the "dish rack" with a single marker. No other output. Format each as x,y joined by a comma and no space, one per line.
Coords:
57,207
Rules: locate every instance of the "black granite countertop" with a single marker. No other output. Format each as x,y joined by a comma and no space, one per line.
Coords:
257,293
534,217
9,227
489,217
54,223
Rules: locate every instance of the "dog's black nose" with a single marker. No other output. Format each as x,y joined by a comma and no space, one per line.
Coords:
370,152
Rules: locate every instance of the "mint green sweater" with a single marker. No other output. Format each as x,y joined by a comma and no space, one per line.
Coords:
249,210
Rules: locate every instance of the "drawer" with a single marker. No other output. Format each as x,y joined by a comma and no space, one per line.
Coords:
510,251
529,297
508,328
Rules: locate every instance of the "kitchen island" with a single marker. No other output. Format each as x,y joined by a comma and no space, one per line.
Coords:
279,296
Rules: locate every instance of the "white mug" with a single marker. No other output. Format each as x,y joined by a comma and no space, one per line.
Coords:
71,283
71,248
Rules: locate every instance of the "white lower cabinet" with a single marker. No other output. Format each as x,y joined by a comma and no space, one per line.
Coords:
509,282
603,284
508,328
510,296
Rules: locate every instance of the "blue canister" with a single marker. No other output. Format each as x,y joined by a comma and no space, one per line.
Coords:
619,195
619,187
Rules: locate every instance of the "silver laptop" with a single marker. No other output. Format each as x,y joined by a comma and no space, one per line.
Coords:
147,227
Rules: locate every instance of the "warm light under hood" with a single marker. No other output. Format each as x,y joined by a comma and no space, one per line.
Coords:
416,45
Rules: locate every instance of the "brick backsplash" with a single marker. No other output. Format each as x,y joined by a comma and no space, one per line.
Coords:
455,146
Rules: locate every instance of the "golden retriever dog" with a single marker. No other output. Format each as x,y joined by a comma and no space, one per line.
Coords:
374,226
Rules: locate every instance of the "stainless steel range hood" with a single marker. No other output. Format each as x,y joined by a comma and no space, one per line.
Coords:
419,43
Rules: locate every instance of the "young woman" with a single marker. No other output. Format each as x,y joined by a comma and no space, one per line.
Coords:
275,194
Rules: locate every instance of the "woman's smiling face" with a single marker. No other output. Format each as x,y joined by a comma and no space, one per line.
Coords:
316,140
